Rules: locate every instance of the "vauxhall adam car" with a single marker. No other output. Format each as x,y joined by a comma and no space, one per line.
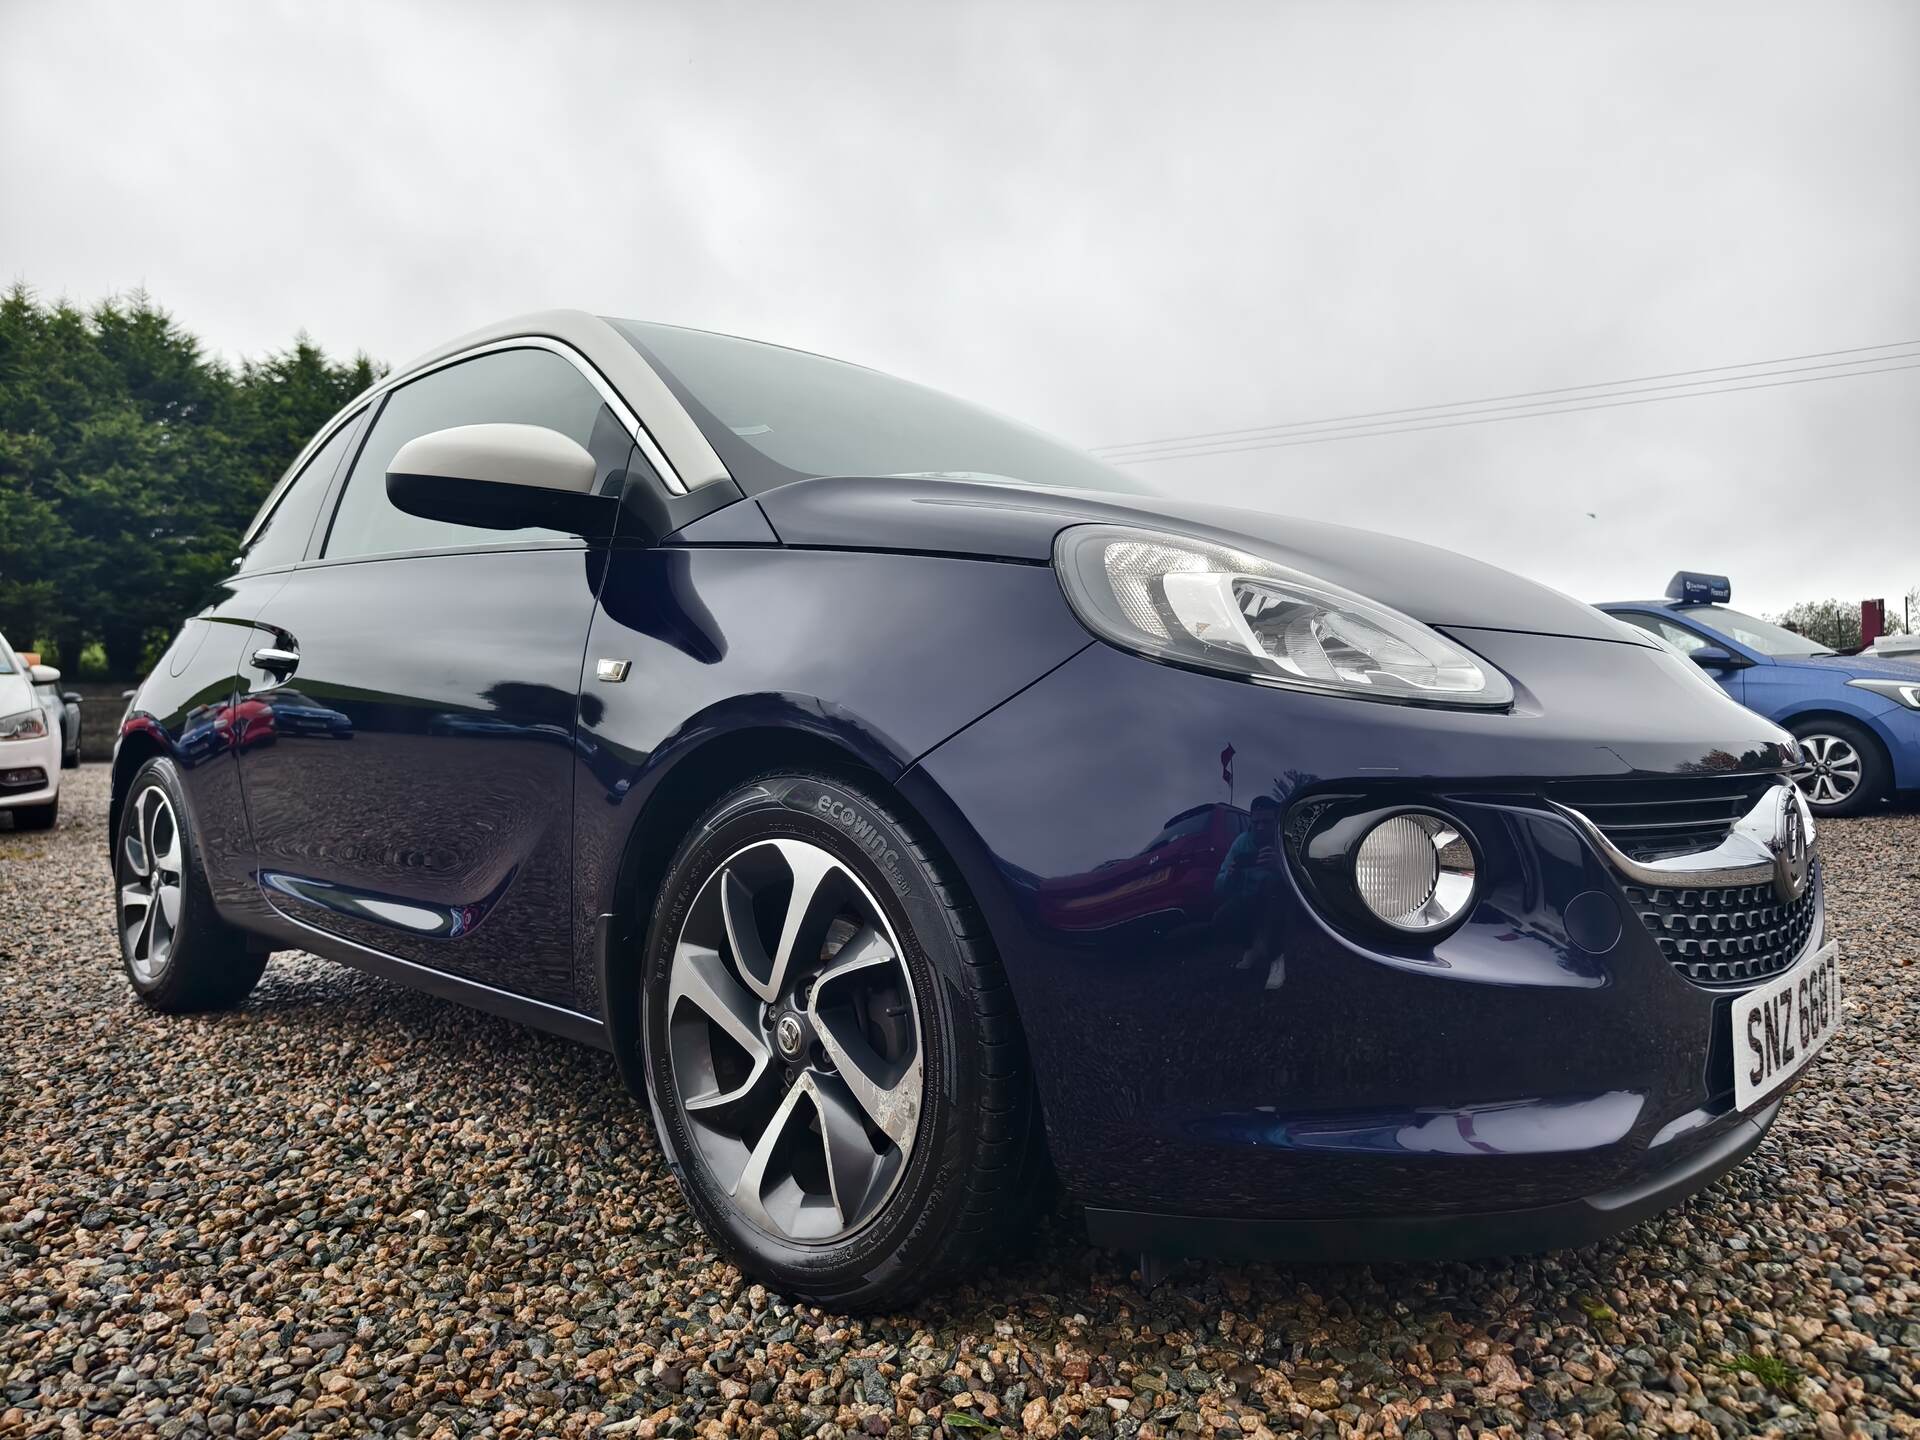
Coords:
913,807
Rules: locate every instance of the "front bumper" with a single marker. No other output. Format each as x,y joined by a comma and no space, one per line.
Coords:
1454,1236
16,756
1208,1069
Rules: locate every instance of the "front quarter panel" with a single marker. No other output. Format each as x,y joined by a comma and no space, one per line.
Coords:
880,655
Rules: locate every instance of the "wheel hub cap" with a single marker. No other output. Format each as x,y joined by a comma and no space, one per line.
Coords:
789,1033
794,1041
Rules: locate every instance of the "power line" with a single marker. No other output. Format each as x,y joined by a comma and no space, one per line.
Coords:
1284,443
1333,431
1329,427
1600,385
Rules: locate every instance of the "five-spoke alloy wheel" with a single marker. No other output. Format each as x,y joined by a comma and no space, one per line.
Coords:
1842,770
178,952
149,883
1833,770
794,1040
835,1068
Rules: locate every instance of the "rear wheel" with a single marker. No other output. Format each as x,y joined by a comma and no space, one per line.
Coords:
831,1053
178,952
1844,772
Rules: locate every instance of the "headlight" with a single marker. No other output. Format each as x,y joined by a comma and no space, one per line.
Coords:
27,725
1192,602
1907,692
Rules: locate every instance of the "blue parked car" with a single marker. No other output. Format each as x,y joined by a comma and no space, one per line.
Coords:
1857,717
917,809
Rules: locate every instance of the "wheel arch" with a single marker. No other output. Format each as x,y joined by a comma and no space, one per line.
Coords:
136,747
685,783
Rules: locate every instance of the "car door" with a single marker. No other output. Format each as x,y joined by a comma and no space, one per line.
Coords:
408,704
187,700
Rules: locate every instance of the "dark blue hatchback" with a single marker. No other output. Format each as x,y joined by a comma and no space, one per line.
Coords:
918,811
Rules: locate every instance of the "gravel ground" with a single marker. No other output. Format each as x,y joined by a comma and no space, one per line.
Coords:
348,1209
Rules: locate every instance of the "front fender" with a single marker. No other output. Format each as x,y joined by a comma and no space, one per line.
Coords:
740,657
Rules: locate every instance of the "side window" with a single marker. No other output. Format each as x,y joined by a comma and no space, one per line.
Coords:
522,387
283,539
1682,639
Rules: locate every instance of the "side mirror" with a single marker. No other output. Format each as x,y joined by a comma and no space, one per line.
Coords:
42,674
70,697
1712,657
500,477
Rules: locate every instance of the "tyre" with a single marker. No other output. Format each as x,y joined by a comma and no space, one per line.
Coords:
70,761
834,1065
37,817
1845,770
178,952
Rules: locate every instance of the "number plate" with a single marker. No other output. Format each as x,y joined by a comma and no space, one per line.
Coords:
1780,1026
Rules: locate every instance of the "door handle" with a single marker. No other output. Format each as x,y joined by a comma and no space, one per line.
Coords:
276,661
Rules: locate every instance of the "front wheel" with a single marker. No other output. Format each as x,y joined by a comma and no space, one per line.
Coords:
835,1070
1844,771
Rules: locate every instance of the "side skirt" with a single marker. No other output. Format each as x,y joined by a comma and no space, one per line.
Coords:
555,1019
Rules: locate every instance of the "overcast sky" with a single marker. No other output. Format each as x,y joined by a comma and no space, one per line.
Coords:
1116,222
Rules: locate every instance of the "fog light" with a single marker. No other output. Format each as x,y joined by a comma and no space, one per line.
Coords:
1415,872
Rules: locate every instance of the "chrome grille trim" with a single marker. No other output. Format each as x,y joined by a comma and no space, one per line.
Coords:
1747,856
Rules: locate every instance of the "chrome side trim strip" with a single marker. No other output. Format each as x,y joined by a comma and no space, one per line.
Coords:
674,431
621,410
699,464
345,416
1764,847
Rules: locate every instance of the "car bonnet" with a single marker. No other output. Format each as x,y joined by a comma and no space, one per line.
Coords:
977,517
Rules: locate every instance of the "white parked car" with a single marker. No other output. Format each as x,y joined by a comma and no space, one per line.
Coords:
29,748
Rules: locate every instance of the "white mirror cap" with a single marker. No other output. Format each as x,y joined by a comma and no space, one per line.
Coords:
501,455
43,674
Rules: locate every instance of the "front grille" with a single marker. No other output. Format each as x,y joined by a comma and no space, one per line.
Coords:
1733,936
1654,819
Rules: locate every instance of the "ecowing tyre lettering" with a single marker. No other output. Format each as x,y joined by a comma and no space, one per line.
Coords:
832,1059
178,952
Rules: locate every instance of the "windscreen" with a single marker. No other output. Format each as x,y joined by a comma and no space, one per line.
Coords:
1768,639
776,415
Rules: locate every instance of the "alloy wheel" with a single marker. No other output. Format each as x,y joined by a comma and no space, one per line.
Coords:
1832,770
150,862
795,1041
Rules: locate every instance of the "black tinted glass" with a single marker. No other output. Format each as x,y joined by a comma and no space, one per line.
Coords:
283,539
514,387
775,415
